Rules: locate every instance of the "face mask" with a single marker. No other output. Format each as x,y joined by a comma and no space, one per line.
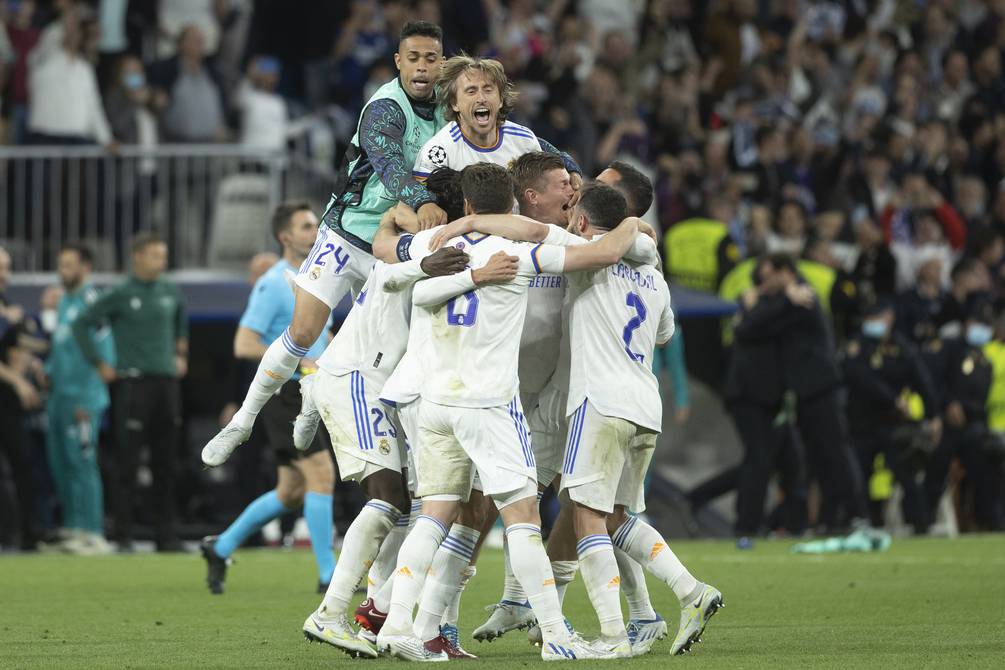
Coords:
979,334
874,328
134,81
49,319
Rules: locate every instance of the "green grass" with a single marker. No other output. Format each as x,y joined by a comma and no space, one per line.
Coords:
925,603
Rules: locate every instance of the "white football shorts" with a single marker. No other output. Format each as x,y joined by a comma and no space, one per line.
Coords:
606,460
455,443
333,268
364,431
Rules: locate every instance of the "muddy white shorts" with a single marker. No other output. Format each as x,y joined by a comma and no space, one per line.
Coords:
548,425
455,443
606,460
364,431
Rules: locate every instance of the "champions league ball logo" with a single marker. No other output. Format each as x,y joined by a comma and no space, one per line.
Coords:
437,155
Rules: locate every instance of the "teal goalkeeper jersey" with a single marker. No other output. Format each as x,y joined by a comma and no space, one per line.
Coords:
70,374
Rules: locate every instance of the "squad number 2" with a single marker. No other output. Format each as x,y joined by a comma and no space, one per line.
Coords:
634,300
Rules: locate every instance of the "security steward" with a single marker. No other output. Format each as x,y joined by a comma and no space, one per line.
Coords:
149,326
967,375
754,393
793,318
886,378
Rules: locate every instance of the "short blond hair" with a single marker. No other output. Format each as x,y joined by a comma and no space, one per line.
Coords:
446,85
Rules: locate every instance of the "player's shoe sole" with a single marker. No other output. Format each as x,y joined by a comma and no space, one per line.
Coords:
694,618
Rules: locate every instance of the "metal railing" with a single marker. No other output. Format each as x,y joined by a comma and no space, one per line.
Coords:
211,202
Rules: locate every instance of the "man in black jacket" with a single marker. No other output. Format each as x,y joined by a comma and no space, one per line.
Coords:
785,312
754,391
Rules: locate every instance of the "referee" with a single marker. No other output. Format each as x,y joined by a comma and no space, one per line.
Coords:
303,478
149,326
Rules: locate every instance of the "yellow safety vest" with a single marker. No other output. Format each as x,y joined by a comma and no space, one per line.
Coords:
995,352
736,281
691,248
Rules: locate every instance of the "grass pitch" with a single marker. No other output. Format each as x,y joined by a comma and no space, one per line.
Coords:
924,603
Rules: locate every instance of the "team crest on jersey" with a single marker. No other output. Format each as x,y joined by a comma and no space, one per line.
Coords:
315,272
437,155
384,446
459,245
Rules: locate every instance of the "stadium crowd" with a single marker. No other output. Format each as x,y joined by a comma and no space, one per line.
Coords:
858,147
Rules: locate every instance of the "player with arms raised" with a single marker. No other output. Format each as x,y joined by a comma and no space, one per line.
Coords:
398,119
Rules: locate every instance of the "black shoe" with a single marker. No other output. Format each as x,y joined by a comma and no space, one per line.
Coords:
322,588
126,546
216,567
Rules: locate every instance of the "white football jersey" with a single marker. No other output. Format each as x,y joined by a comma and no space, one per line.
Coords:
450,148
617,316
374,335
541,345
471,357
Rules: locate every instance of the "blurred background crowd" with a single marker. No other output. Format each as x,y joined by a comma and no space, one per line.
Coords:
854,148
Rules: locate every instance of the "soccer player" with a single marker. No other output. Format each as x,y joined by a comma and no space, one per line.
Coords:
618,315
394,125
364,435
402,392
303,477
470,420
77,401
476,98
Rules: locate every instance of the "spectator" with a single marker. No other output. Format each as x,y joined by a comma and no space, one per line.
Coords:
128,105
175,17
190,92
75,407
918,307
264,117
146,314
23,36
65,100
17,397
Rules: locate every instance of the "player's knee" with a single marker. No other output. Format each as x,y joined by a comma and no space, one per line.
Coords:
304,332
386,485
291,496
320,475
615,519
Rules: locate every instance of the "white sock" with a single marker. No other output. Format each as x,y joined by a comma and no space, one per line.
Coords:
415,513
633,585
512,591
359,547
453,612
387,558
414,560
444,579
644,544
532,568
603,583
276,368
565,572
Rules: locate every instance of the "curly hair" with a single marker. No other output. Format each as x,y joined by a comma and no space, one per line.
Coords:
454,67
